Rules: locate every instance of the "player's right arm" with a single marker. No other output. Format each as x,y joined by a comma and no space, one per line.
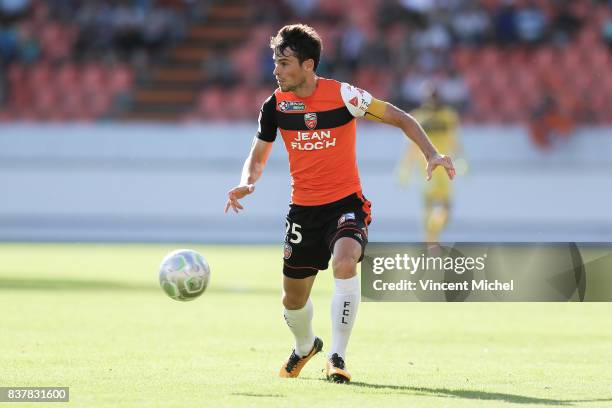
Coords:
251,172
258,156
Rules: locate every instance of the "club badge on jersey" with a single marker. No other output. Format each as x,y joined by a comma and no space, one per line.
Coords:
311,120
288,251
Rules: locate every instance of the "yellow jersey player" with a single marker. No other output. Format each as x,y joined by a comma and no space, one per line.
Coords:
329,215
440,122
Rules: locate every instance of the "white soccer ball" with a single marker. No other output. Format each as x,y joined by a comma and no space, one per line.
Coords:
184,274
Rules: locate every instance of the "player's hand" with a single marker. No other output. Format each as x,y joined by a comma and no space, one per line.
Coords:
236,194
440,160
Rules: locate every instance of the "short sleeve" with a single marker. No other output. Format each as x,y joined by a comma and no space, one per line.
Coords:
356,100
267,120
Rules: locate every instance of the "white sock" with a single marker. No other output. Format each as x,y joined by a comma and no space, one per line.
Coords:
344,305
300,324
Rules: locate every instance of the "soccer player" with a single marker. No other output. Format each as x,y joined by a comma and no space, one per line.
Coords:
440,122
328,215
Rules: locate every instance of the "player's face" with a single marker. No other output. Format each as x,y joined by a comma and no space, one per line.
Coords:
289,73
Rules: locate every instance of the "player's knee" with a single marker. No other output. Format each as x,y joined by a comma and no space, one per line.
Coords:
294,301
345,267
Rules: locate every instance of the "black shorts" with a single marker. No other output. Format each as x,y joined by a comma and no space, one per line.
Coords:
312,231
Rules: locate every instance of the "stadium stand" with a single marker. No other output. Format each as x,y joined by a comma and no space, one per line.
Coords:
181,60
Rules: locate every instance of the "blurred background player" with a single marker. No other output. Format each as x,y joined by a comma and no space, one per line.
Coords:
440,122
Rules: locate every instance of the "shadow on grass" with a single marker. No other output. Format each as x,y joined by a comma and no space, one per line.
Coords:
59,284
252,394
70,285
471,394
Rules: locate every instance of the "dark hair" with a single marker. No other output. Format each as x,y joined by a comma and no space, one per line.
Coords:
303,40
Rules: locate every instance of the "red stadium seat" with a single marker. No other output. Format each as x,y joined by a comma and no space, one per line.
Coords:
333,8
120,78
258,98
237,104
97,103
527,80
589,37
56,41
247,59
45,101
39,76
67,75
474,78
20,95
16,73
572,58
211,104
93,78
489,58
463,58
6,116
513,107
600,57
72,104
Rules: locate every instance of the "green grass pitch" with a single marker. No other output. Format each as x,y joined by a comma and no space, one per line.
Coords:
92,317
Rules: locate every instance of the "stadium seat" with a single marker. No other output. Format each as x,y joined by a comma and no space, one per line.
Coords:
56,41
93,78
247,56
211,104
16,73
97,103
120,78
39,76
489,58
238,105
463,58
6,116
67,75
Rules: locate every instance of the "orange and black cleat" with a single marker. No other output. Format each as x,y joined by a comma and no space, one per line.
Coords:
335,370
295,363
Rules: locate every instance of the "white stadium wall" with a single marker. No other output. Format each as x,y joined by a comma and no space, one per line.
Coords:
152,183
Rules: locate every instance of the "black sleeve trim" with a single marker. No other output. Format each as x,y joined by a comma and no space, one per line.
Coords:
267,120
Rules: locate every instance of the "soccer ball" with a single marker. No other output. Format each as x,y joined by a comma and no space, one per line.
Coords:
184,274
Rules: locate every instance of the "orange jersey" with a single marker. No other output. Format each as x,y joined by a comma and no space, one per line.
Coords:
319,134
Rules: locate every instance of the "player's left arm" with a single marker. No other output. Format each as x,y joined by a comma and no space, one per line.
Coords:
384,112
361,104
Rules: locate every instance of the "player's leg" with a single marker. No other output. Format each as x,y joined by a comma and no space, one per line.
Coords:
344,304
427,210
298,312
305,254
346,295
348,239
437,214
437,206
